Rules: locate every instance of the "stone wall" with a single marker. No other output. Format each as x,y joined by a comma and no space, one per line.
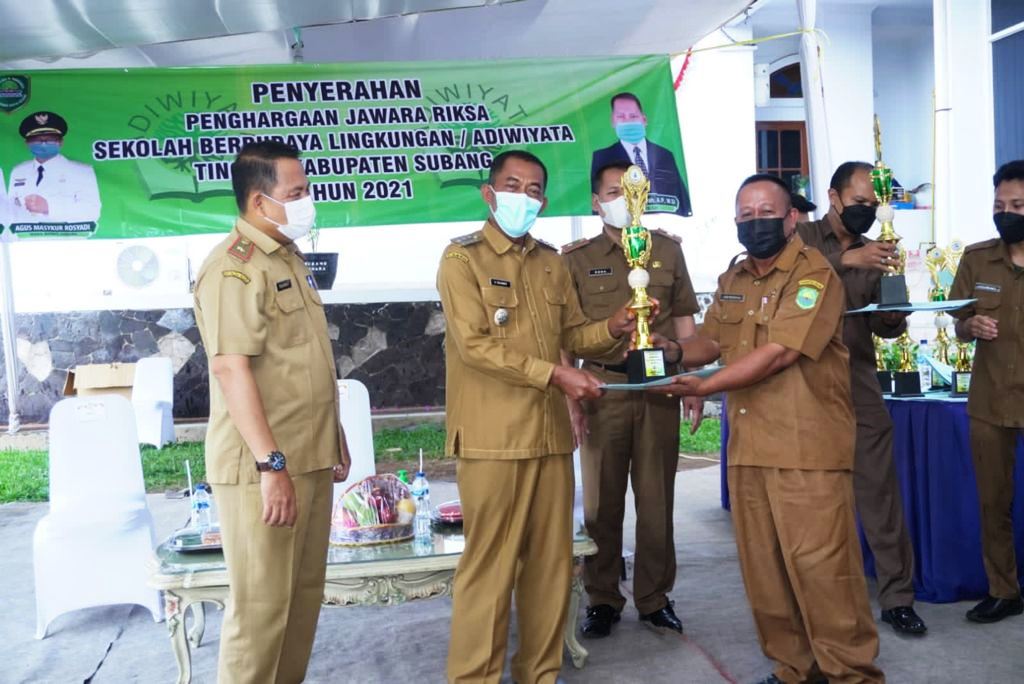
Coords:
395,349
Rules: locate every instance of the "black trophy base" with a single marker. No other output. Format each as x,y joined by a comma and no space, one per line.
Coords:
893,291
961,384
907,384
645,365
885,381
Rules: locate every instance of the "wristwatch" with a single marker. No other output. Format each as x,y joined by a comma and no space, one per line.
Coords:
275,463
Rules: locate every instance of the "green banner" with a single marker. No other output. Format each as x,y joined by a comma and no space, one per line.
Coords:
147,152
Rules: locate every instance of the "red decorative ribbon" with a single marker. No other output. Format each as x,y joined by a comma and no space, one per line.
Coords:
686,63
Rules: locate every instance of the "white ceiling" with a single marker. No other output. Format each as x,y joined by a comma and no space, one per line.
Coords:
124,33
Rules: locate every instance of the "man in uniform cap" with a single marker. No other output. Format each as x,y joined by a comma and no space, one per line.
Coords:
993,273
777,323
629,436
860,262
50,188
510,307
274,442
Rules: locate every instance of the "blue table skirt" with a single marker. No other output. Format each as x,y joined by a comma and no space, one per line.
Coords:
940,498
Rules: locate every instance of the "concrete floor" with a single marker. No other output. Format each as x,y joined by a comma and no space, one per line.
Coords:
122,644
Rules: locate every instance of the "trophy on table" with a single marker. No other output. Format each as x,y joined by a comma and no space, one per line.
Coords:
894,290
881,367
942,265
906,379
645,363
962,370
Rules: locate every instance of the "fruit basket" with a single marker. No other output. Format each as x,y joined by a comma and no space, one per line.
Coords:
376,510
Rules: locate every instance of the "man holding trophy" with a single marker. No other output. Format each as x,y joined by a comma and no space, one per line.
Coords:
627,436
992,272
861,263
776,323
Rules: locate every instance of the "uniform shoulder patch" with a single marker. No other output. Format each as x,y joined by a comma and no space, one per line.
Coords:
237,274
242,249
671,236
546,244
469,239
807,296
454,254
576,244
810,282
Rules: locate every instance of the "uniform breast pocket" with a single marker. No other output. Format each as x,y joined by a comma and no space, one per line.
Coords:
731,325
502,307
661,287
988,301
555,300
601,296
293,327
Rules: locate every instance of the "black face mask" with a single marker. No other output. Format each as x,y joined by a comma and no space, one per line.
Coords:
762,237
1010,226
858,218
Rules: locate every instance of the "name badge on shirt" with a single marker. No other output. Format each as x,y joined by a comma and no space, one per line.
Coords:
732,297
283,285
987,287
498,282
598,272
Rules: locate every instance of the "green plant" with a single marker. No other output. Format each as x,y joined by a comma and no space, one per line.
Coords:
707,440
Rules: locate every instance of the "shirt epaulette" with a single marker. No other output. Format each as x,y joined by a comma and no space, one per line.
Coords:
736,259
671,236
242,249
546,244
984,244
469,239
575,244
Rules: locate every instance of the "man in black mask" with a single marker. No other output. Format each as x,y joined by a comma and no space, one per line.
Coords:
992,272
860,263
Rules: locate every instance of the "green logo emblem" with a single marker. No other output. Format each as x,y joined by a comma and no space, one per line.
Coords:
807,297
14,92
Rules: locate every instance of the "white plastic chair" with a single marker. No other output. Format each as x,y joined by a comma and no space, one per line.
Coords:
93,547
153,400
354,407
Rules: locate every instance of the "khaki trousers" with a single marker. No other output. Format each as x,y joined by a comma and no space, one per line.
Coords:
276,575
633,437
992,450
517,520
803,571
879,504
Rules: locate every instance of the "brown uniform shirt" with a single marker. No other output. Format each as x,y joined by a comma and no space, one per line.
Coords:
801,417
255,297
862,288
987,274
599,270
509,311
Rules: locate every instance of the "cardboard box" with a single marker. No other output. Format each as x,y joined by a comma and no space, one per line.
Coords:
101,378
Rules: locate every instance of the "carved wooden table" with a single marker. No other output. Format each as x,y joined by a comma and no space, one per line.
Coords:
377,575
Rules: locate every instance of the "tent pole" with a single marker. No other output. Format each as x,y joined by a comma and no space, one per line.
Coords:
7,331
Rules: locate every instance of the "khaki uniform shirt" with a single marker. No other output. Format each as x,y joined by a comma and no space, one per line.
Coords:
800,417
509,310
255,297
862,288
987,274
599,270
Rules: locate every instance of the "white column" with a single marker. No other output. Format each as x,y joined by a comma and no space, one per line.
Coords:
818,146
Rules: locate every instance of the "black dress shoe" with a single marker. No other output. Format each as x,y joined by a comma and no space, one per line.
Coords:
663,619
904,620
994,609
599,621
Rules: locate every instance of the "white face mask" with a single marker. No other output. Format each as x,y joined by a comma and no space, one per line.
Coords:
300,214
515,212
615,212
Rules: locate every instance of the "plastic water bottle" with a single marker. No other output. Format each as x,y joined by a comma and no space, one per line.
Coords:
420,491
201,515
924,368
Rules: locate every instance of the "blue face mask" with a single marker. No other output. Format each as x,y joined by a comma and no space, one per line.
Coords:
515,213
631,131
44,150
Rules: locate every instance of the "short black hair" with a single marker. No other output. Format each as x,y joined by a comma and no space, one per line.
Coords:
767,177
595,182
801,203
522,155
626,96
255,168
841,178
1010,171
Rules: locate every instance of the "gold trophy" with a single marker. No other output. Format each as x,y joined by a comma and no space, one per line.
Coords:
883,373
962,370
942,265
906,379
645,363
894,290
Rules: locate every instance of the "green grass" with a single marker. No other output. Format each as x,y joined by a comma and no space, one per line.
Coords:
24,474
